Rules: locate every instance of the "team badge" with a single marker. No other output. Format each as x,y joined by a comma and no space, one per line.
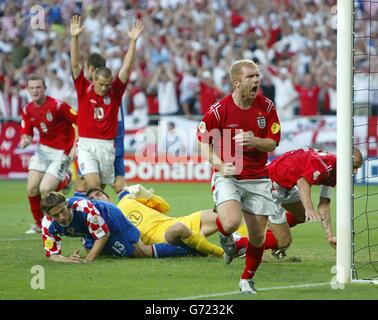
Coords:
261,122
315,175
107,100
49,244
49,116
70,230
202,127
275,127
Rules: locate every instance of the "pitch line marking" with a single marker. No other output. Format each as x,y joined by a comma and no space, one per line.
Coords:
219,294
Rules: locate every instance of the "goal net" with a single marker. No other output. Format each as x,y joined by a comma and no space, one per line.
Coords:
364,240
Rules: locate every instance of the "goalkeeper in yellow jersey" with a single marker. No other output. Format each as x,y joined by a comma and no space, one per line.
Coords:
147,212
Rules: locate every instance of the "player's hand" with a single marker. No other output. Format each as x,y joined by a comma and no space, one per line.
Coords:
227,169
332,241
75,257
75,28
25,141
244,139
138,191
136,30
312,216
72,154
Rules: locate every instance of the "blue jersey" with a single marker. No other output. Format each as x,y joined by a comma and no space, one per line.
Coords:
92,220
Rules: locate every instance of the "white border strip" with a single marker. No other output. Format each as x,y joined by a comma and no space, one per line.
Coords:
219,294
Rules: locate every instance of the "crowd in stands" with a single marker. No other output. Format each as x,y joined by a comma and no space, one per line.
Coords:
185,51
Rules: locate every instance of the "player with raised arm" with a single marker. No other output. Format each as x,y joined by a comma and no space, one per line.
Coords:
93,62
99,103
236,135
55,122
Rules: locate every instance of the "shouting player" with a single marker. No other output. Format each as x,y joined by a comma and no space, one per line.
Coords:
236,135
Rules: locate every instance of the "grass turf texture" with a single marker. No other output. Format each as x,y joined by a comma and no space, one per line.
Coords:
172,278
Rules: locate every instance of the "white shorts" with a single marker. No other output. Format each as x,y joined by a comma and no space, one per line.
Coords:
96,156
254,195
325,191
50,160
283,196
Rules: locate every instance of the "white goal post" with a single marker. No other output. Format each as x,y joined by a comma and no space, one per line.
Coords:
344,140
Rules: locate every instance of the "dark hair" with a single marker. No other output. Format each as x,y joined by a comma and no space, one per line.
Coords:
36,77
104,72
97,189
95,60
52,199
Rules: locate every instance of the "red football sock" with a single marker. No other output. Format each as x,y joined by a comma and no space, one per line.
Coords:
220,228
64,183
241,243
252,261
291,220
35,207
270,241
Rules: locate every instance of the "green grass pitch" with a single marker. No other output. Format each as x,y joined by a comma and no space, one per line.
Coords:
173,278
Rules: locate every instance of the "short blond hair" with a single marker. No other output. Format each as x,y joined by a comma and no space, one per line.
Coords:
236,68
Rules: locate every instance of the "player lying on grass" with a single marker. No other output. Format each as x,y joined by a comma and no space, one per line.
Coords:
293,174
101,224
147,212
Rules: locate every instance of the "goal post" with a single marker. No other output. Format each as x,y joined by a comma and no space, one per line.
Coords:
357,125
344,140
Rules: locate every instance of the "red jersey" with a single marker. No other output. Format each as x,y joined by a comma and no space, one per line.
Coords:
317,167
261,118
54,120
309,100
208,95
98,116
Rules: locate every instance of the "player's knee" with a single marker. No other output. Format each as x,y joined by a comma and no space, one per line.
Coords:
180,230
32,190
285,241
231,224
44,190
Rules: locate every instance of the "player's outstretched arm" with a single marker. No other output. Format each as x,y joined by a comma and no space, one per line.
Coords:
75,30
96,249
305,194
128,60
74,258
324,208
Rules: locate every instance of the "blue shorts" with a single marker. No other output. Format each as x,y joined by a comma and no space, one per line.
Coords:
122,239
119,166
123,234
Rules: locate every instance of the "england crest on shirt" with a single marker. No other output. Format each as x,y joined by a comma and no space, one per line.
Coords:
107,100
261,122
49,116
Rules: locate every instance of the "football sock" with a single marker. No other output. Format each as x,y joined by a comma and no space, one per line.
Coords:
252,261
166,250
291,220
81,194
201,244
65,182
270,241
241,243
220,228
35,207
